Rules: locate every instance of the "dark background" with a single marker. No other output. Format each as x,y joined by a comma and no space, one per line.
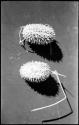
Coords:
15,96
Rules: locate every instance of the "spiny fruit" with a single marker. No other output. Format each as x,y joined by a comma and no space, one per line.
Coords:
37,33
35,71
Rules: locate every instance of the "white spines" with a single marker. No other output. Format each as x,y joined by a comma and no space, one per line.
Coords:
37,33
35,71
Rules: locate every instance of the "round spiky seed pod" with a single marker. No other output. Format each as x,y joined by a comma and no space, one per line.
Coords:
35,71
37,33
